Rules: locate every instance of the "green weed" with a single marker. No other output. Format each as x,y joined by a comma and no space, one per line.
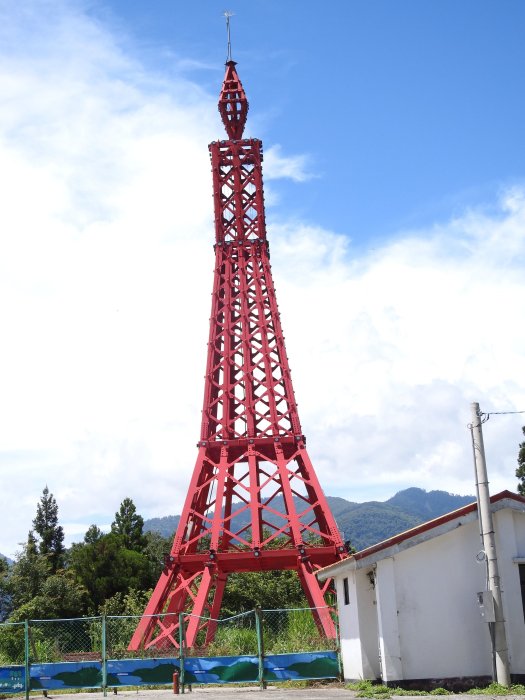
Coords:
368,689
233,641
497,689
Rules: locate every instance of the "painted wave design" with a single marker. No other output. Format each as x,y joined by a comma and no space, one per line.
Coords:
136,672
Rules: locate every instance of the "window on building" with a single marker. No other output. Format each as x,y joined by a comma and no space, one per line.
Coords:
346,594
522,581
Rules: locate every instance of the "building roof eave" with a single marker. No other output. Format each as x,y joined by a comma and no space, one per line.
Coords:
418,534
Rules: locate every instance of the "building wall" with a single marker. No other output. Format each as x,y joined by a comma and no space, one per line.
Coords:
387,619
510,543
367,606
424,609
440,629
359,644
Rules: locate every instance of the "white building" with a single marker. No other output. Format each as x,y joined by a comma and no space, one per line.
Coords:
408,606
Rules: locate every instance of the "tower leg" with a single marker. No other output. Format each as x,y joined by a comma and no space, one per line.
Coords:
149,621
210,543
220,585
315,596
200,602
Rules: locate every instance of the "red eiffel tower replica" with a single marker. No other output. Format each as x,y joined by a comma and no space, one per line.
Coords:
254,502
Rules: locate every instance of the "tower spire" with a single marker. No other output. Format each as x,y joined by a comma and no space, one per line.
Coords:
228,15
233,105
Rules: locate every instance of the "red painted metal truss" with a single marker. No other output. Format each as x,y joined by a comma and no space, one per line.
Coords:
254,502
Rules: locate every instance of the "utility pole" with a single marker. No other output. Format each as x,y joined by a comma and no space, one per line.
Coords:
499,649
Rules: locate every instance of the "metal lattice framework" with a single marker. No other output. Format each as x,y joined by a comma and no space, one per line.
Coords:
254,502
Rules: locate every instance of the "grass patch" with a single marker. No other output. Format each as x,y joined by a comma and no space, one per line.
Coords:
294,632
402,691
233,641
497,689
369,689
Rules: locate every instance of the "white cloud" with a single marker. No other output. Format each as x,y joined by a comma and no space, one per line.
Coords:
391,347
277,166
105,274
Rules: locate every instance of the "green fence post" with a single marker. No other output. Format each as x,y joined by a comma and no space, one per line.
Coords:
104,658
26,660
260,645
181,650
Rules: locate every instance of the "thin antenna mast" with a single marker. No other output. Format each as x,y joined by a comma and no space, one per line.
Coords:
228,14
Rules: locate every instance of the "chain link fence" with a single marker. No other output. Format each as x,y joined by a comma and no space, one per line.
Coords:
52,641
96,651
295,630
88,639
120,630
233,636
12,643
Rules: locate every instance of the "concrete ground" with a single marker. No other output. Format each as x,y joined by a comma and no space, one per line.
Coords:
231,693
203,692
276,692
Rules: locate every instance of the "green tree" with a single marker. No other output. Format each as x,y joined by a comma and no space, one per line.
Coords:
51,534
156,548
5,598
520,471
93,534
60,596
28,574
131,603
129,525
106,567
269,589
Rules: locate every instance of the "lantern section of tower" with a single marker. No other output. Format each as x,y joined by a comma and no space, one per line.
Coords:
254,502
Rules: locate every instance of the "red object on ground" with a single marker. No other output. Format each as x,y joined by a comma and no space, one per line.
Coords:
176,683
254,502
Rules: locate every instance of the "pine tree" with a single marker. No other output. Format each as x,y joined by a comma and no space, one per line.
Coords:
31,547
520,471
51,534
93,534
5,599
128,524
28,574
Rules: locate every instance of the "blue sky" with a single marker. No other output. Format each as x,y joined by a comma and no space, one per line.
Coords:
395,192
406,109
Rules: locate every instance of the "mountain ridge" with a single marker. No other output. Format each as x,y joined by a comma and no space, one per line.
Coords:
365,524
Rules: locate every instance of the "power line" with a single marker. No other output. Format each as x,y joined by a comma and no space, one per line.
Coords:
484,417
500,413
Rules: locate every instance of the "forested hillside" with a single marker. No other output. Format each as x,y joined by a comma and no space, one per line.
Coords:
364,524
114,572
